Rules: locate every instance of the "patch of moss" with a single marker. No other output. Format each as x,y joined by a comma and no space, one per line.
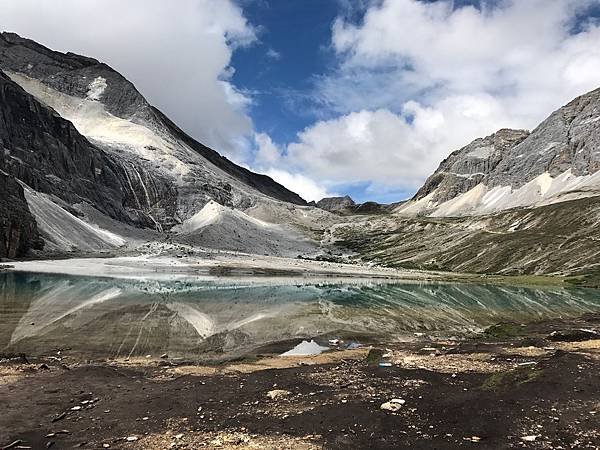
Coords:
503,330
517,377
590,280
374,356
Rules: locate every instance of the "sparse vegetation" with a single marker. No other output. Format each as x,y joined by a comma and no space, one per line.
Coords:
511,378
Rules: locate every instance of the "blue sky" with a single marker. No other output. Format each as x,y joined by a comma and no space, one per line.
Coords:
288,72
299,34
359,97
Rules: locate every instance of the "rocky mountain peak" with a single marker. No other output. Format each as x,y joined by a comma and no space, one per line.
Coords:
467,167
68,82
334,204
557,161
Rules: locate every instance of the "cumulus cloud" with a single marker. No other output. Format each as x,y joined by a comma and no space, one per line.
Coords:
304,186
419,79
392,149
269,159
177,53
267,153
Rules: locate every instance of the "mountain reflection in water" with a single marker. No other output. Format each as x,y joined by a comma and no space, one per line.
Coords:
107,318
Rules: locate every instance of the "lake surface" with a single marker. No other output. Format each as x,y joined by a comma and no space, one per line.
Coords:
97,318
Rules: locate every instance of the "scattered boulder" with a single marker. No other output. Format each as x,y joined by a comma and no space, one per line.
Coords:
277,394
530,438
394,405
573,335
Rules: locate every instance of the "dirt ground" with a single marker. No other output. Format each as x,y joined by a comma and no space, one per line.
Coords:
514,387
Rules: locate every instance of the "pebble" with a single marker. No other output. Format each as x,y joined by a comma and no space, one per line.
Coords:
393,405
530,438
131,438
278,393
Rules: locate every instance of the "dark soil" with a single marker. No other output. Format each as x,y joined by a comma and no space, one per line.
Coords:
552,400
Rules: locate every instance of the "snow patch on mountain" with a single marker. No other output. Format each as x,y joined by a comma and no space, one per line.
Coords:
91,119
96,88
542,190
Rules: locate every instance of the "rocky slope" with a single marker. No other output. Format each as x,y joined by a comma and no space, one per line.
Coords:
561,238
45,151
70,82
336,204
85,145
557,161
18,229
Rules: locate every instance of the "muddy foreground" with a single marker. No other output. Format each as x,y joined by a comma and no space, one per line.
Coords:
513,387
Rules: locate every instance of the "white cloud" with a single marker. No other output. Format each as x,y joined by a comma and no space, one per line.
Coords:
177,54
273,54
270,159
307,188
392,149
418,80
267,152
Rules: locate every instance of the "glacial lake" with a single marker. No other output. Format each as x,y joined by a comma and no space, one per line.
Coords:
97,318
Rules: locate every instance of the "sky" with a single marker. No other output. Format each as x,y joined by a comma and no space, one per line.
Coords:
335,97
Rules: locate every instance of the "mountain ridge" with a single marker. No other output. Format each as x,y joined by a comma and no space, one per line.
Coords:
557,160
70,73
92,172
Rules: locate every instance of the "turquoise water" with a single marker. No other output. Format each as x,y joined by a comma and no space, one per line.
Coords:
95,318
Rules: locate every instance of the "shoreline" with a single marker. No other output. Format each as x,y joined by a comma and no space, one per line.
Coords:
221,265
213,265
511,387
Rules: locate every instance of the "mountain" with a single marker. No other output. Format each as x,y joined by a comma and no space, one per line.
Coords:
512,203
106,107
85,147
557,161
346,206
336,204
89,166
18,228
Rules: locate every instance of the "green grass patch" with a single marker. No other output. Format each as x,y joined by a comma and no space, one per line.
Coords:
503,330
509,379
374,356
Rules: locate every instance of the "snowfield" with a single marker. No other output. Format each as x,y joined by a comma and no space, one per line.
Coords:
481,200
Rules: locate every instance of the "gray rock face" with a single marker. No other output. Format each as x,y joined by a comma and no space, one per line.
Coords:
18,229
471,165
567,140
72,74
335,204
47,153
